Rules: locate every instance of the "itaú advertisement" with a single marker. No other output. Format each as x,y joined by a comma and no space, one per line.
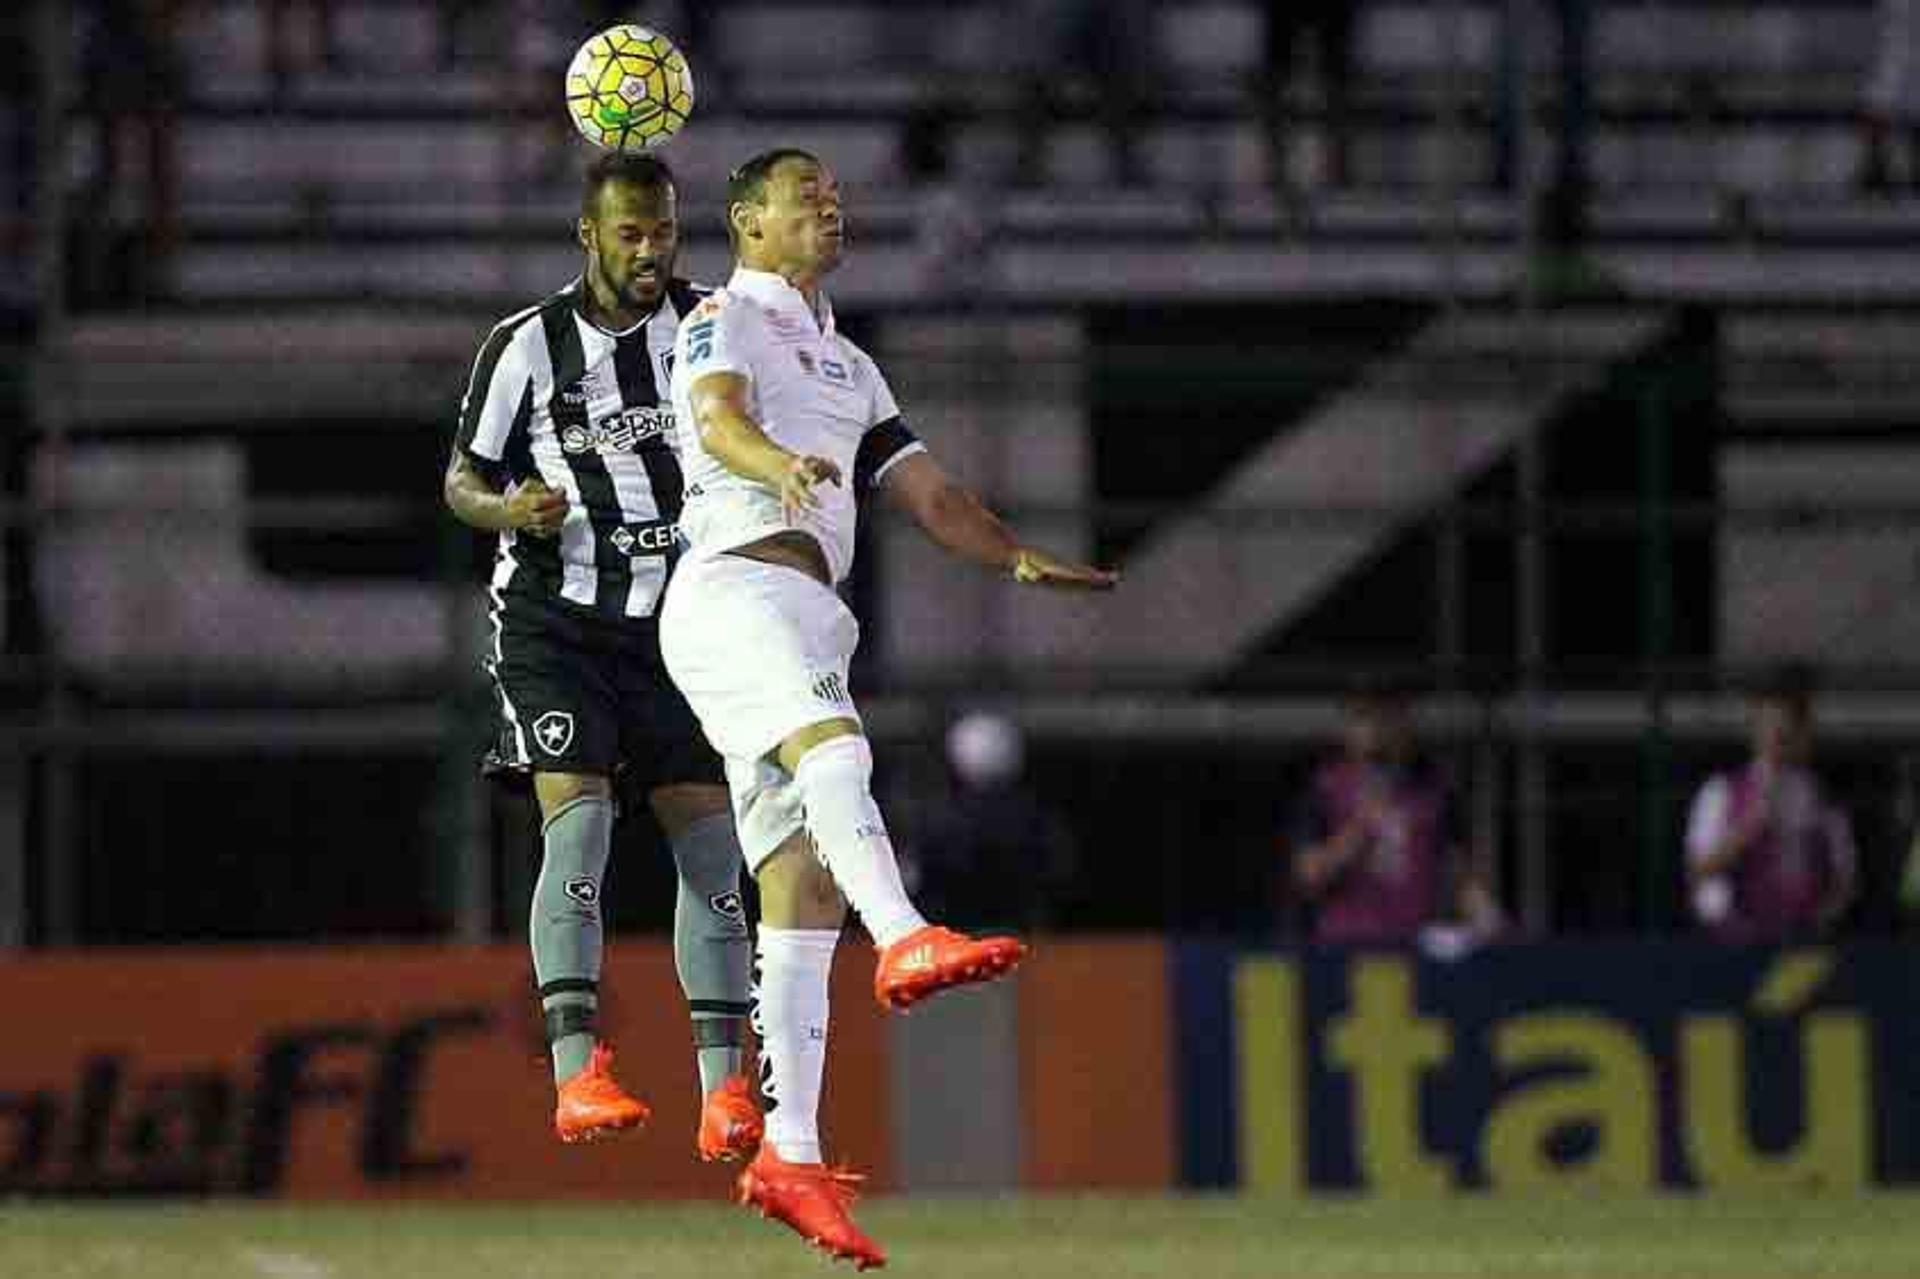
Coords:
412,1072
1622,1066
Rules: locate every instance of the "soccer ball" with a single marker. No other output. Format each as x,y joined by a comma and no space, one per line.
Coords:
629,88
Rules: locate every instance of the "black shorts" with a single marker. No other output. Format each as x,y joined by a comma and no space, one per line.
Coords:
582,693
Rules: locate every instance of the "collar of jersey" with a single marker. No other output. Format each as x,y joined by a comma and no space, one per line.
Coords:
578,291
773,290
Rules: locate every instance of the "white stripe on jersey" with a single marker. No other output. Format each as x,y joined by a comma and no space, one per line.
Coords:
500,396
502,575
649,580
633,486
579,580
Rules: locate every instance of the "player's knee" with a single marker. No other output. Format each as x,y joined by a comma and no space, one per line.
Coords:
555,791
796,890
844,761
680,806
803,742
707,856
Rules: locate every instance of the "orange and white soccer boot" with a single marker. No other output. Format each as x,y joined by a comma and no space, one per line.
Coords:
814,1200
932,958
730,1123
593,1105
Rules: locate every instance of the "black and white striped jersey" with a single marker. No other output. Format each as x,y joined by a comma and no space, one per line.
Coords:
554,395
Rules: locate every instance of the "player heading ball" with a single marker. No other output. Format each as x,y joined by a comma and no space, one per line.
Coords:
781,421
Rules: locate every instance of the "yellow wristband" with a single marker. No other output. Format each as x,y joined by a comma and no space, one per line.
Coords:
1024,569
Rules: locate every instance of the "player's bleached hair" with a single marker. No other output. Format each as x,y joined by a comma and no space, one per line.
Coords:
748,183
634,167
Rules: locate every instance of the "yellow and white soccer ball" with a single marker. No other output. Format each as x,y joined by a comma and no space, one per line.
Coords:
629,88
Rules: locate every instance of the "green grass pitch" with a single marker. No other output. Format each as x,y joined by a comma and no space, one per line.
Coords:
951,1238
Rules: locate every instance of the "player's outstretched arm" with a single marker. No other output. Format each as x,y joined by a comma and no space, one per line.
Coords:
728,432
957,520
531,507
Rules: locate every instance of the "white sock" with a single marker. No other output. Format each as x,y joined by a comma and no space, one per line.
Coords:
790,1017
852,837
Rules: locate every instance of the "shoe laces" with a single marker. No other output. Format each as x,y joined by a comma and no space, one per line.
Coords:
844,1184
837,1181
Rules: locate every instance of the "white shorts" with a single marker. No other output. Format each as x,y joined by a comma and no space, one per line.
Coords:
760,651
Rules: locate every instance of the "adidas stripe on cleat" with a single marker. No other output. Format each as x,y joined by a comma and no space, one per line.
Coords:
932,959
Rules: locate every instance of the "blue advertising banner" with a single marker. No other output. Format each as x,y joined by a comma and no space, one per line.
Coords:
1617,1065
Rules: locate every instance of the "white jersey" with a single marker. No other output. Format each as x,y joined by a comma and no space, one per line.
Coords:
810,389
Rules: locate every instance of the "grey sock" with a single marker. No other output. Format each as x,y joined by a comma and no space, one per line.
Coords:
711,948
565,927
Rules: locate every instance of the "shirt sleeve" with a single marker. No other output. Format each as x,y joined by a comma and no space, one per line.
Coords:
718,337
498,408
884,407
884,446
888,441
1707,822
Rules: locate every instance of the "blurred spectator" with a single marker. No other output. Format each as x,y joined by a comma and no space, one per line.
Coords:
132,82
1770,856
954,211
1562,266
995,853
1329,26
1892,107
1377,842
954,218
1107,44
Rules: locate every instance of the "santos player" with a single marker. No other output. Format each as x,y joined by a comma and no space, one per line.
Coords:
782,423
565,448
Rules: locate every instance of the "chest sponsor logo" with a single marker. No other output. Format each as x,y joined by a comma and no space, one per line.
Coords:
823,367
643,539
624,432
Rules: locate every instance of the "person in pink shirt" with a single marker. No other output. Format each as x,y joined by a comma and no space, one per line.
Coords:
1377,841
1770,856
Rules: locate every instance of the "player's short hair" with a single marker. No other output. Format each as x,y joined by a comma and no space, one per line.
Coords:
1383,689
748,183
1791,684
635,167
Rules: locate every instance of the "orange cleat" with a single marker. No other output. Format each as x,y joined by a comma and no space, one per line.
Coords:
730,1122
931,958
813,1199
593,1104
